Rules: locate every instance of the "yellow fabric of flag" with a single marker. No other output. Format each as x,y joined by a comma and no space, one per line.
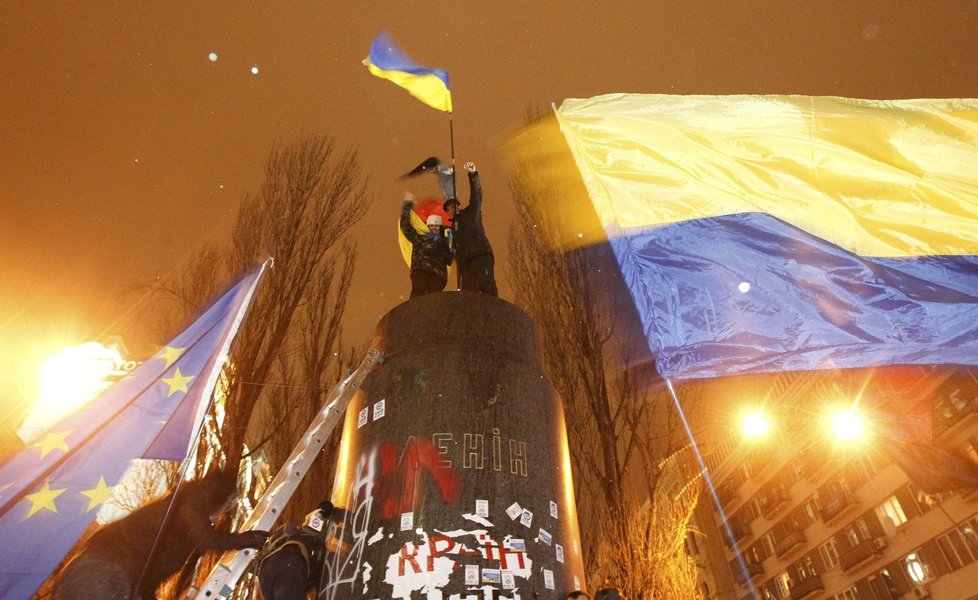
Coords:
884,178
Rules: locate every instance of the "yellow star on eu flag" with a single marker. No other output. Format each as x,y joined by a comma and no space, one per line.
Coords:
43,498
170,355
52,441
177,383
99,494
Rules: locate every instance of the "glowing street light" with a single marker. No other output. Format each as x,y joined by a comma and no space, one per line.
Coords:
847,426
68,381
755,424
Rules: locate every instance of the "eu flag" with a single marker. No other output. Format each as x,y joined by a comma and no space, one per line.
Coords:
51,490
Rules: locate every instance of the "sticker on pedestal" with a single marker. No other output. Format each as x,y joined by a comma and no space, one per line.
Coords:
545,537
509,581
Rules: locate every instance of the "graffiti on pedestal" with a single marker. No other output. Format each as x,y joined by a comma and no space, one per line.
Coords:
390,478
427,564
392,549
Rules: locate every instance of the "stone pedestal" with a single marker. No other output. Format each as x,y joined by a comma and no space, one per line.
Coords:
454,468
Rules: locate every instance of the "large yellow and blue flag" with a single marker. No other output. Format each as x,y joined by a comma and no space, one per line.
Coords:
388,61
51,491
773,233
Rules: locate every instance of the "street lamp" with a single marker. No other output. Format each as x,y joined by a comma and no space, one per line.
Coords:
755,424
68,381
847,425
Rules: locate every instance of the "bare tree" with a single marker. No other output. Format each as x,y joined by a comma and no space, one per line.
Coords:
320,357
307,202
290,350
621,423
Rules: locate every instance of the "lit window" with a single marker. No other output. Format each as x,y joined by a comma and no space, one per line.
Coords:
850,594
892,510
956,548
806,568
950,553
959,403
970,532
829,553
768,542
783,582
918,570
811,511
881,585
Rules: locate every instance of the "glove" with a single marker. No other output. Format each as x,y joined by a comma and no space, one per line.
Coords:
253,539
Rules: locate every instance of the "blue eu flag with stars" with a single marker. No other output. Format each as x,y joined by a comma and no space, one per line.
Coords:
51,490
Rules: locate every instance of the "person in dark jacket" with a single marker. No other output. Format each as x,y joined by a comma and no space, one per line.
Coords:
111,562
473,252
292,558
430,252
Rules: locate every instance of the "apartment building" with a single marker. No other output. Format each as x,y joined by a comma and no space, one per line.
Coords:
801,515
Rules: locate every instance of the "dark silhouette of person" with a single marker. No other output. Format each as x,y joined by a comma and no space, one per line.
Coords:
292,558
472,249
608,591
108,565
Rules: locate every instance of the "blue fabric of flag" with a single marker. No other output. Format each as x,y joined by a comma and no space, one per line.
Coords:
51,491
749,293
387,61
771,233
387,55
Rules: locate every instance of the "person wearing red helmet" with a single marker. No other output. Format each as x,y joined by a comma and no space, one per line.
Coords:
430,252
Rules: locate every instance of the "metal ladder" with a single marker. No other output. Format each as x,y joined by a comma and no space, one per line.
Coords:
226,573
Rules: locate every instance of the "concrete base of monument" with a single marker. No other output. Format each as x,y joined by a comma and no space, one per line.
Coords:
454,467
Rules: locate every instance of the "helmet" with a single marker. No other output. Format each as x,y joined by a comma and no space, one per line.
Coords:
434,220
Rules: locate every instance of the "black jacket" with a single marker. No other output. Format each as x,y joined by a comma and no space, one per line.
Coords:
428,252
470,235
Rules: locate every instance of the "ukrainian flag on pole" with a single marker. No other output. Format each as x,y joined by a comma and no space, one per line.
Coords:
388,61
785,233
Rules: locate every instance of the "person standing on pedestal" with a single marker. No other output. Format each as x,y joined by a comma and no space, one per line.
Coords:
473,251
430,252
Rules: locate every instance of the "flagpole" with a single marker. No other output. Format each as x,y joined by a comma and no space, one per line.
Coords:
705,471
451,138
205,407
